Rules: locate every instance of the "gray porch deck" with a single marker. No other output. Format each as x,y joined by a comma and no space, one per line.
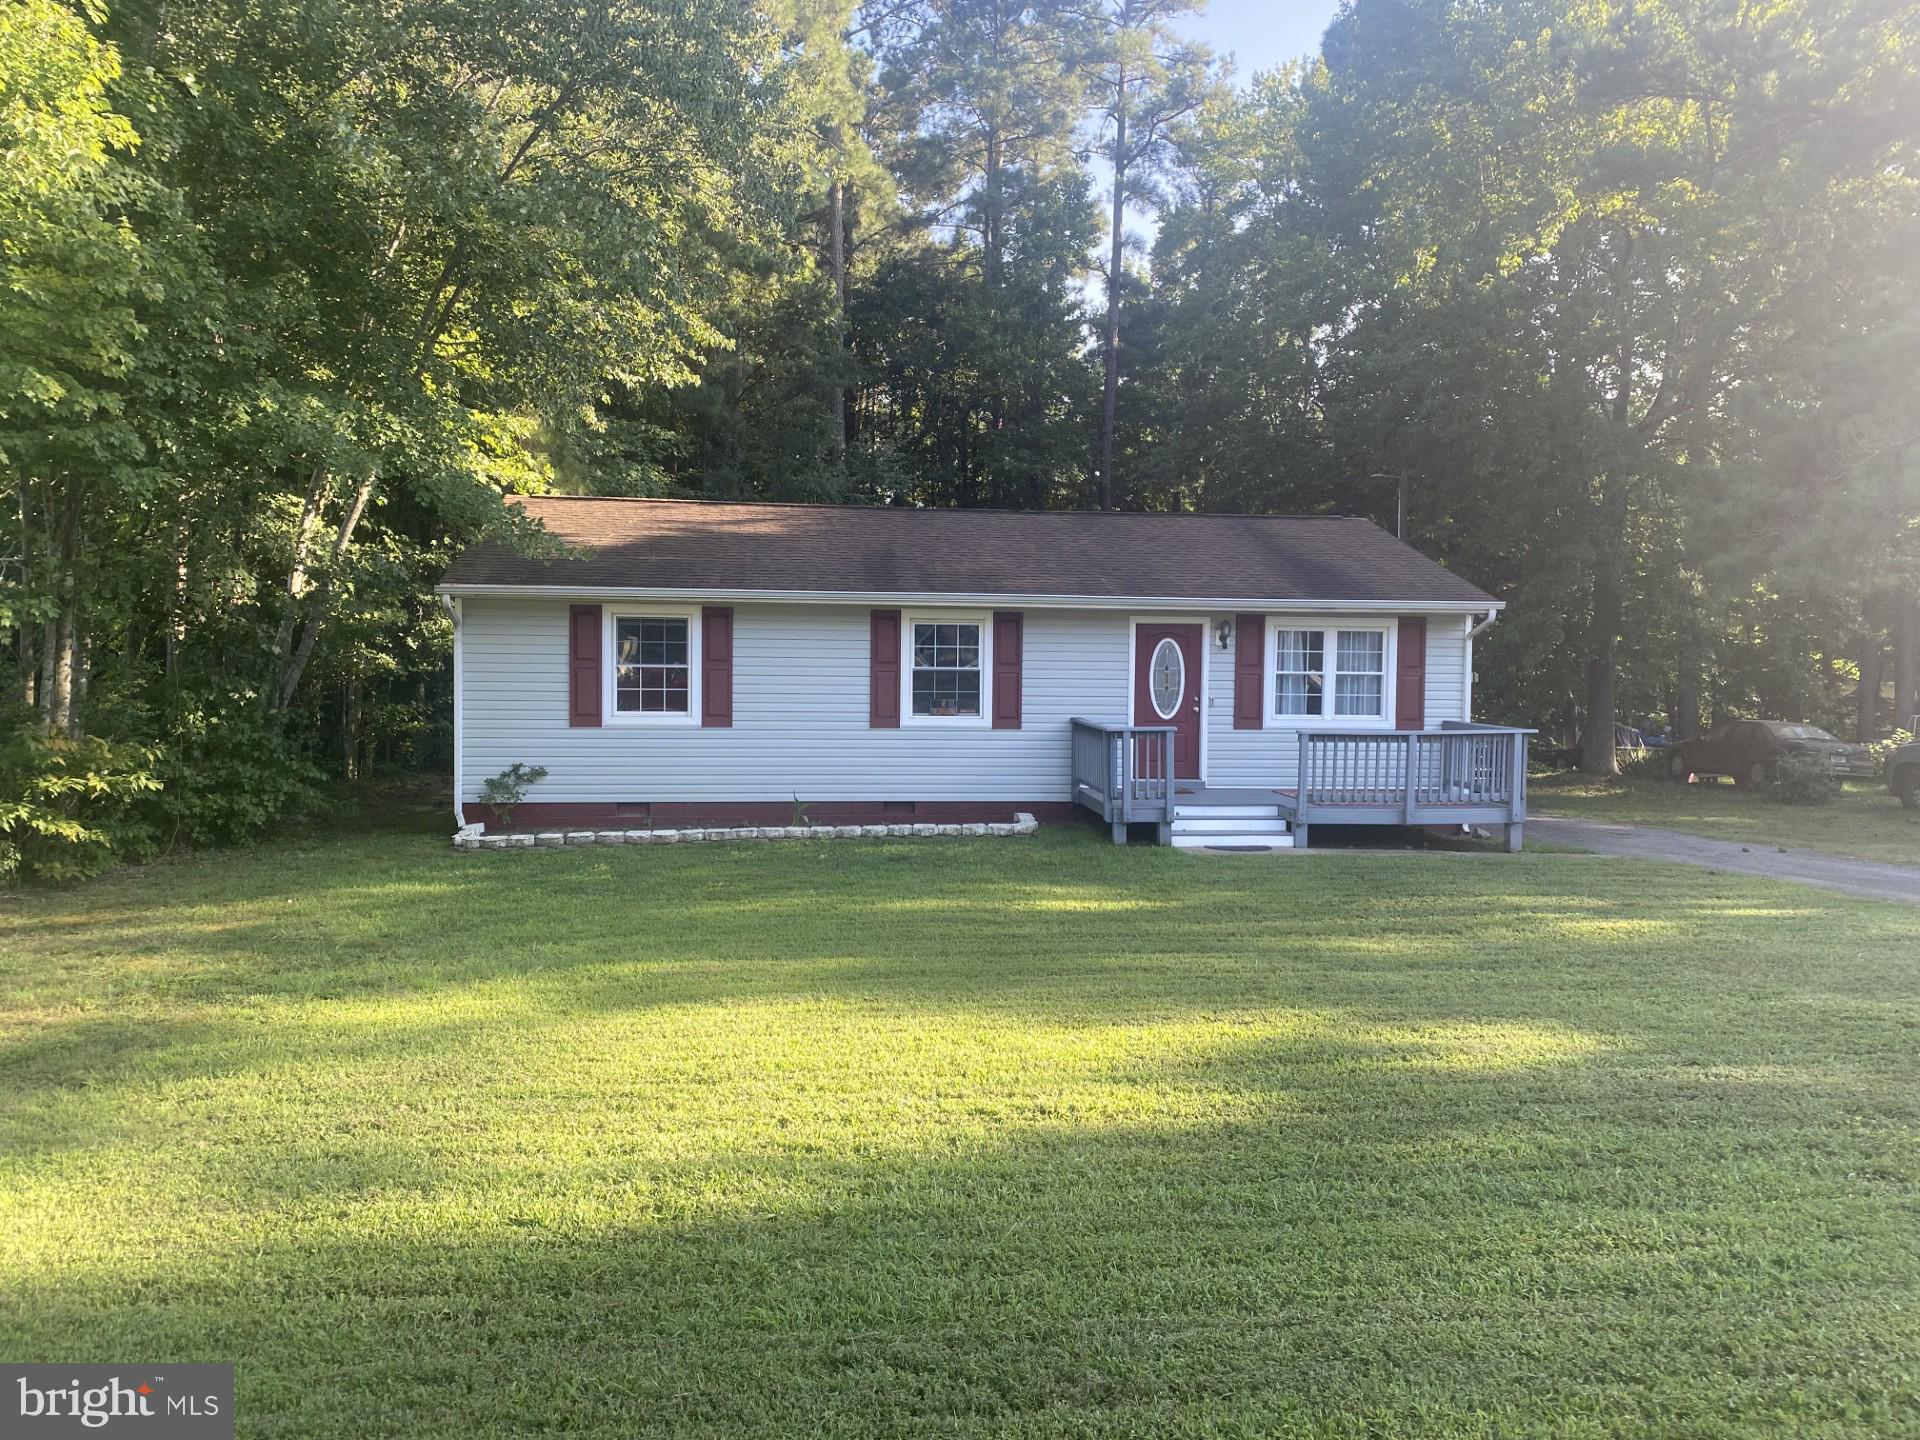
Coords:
1460,774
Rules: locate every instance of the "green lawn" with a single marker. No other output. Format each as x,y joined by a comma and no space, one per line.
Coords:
1865,821
977,1138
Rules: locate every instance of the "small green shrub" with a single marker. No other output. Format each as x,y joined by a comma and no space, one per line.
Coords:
228,776
1882,750
1801,780
66,805
1644,764
507,789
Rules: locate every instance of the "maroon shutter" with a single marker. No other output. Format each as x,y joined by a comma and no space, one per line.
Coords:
1410,690
883,681
1249,672
583,665
1008,633
716,665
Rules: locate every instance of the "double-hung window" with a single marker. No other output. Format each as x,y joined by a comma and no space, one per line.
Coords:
655,667
946,668
1330,673
1360,674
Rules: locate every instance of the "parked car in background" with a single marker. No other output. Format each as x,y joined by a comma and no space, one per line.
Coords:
1750,750
1903,772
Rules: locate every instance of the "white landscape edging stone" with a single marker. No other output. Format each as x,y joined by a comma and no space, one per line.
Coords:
475,837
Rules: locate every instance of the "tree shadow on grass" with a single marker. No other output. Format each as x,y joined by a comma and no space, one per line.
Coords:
976,1142
385,965
1479,1265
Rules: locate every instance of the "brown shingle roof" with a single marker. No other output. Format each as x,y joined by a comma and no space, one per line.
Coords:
683,545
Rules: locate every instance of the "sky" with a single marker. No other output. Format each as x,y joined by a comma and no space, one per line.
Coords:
1261,33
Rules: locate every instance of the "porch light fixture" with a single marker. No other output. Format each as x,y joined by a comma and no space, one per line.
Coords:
1223,633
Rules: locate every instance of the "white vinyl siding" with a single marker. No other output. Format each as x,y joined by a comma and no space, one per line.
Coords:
1448,655
1270,756
800,709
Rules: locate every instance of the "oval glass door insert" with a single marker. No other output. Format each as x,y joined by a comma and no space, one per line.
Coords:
1167,678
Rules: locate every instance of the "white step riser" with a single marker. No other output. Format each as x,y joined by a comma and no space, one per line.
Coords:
1204,842
1185,825
1227,812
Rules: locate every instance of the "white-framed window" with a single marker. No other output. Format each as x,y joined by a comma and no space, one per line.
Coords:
1299,671
1360,674
1329,674
947,674
652,666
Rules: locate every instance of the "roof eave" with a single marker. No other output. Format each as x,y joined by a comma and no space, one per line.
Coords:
1480,606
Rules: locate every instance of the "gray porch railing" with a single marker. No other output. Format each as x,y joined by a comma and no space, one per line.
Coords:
1460,774
1124,774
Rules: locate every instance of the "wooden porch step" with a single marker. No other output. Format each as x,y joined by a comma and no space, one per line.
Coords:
1249,822
1249,843
1190,793
1210,824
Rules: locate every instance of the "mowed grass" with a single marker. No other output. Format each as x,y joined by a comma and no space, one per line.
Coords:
995,1138
1865,821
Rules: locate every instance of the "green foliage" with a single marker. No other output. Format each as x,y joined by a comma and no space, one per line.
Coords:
265,363
1554,265
1644,765
66,805
1801,780
1882,750
229,775
294,294
506,790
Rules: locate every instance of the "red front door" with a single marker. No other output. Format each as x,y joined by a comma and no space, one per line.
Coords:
1166,688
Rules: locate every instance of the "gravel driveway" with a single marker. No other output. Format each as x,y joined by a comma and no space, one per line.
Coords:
1808,867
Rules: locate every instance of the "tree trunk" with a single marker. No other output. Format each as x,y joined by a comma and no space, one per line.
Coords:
1906,640
316,608
990,223
82,676
1689,666
1110,392
1866,697
49,649
29,666
350,730
1686,706
837,258
32,692
60,690
319,487
1597,753
177,606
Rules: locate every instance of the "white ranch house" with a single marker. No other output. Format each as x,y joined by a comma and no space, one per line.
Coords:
1228,680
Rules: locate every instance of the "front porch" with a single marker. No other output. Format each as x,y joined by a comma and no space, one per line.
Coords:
1461,774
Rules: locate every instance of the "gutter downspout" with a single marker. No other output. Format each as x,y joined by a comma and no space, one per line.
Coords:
453,613
1466,699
